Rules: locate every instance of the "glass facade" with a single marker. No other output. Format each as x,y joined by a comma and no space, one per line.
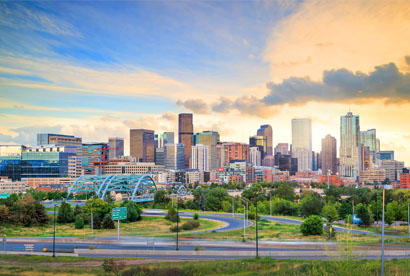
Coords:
10,161
350,154
260,142
302,143
266,131
142,145
92,153
209,139
174,156
116,147
185,135
46,161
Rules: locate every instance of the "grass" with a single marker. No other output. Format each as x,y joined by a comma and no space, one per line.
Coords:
389,230
30,265
148,226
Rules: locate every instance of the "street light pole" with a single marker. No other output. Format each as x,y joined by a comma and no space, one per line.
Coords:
270,203
177,248
256,221
408,217
233,208
383,235
54,234
92,220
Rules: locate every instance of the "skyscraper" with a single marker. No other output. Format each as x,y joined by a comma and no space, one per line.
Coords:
260,142
185,135
94,152
142,145
329,155
282,148
116,145
174,156
255,156
350,158
209,139
368,139
302,143
266,131
200,157
164,138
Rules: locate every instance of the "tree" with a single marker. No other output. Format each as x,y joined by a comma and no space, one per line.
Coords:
4,212
96,222
172,215
313,225
363,215
134,211
389,215
195,216
107,222
110,265
285,191
160,197
285,207
345,210
79,222
311,205
27,211
77,210
65,213
330,213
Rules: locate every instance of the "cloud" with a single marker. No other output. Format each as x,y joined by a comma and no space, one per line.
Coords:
334,34
19,17
244,105
170,116
343,85
198,106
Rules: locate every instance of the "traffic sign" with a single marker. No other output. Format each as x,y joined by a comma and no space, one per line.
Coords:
4,195
119,213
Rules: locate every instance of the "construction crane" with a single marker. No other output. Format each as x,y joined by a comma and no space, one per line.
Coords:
103,150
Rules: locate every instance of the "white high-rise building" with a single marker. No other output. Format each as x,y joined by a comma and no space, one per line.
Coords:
174,156
350,153
116,149
200,160
302,143
255,156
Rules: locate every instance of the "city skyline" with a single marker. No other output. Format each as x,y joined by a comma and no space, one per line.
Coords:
67,74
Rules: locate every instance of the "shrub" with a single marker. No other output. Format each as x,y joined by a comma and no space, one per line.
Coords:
363,215
313,225
330,213
79,222
190,224
107,222
195,216
110,265
286,208
96,222
174,228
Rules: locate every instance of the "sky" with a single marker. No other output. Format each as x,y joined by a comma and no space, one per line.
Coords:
95,69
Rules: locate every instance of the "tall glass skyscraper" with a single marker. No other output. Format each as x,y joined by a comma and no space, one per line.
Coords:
350,157
116,147
10,161
174,156
142,145
266,131
185,135
302,143
369,140
329,155
200,157
259,142
209,139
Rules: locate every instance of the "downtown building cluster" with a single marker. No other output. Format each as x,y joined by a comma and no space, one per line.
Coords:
202,158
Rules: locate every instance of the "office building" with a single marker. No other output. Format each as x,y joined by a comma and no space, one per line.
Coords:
393,168
259,142
7,186
46,161
329,155
385,155
368,139
200,157
185,135
316,161
174,156
255,156
232,151
288,163
142,145
160,156
405,179
266,131
282,148
132,168
302,143
371,176
10,161
164,138
94,154
65,140
116,149
350,157
209,139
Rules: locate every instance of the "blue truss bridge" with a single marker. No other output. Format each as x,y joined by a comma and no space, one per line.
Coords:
135,187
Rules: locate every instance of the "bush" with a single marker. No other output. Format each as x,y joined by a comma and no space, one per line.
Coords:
252,216
107,222
313,225
363,215
79,222
190,224
96,222
110,265
174,228
195,216
286,208
158,271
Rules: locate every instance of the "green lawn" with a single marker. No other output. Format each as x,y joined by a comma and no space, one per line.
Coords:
148,226
30,265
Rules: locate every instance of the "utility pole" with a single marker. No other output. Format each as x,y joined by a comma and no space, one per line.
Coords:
54,234
270,203
256,221
383,235
408,217
233,208
92,220
177,248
